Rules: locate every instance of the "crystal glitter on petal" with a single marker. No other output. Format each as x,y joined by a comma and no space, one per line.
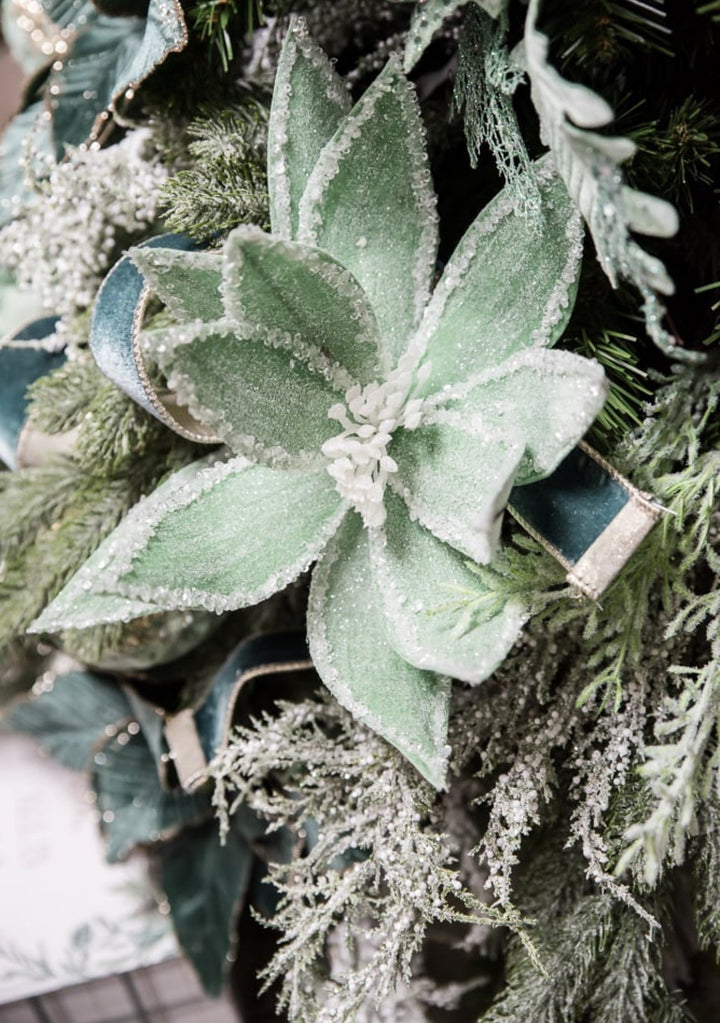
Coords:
188,282
344,204
305,295
200,540
505,288
456,481
420,579
550,398
268,404
89,597
350,648
238,545
309,101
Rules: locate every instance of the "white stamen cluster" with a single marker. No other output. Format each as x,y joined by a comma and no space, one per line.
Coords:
359,459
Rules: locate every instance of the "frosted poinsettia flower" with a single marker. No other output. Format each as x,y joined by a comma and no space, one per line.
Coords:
377,426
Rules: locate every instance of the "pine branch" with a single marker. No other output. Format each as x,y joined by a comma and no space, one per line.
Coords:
599,964
617,354
226,186
605,34
376,865
52,519
674,159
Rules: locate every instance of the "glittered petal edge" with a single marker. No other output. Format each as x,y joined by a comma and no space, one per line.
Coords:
471,658
194,597
298,49
162,345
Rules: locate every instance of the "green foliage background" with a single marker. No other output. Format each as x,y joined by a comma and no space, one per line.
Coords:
583,813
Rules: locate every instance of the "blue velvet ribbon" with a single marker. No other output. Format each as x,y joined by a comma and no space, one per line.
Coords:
269,654
571,508
195,737
588,516
116,322
20,366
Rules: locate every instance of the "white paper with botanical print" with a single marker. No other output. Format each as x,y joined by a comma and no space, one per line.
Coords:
66,916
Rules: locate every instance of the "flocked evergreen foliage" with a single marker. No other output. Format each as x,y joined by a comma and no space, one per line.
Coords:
225,186
581,809
54,516
385,884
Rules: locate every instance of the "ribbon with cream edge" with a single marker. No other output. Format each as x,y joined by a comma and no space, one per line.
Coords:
117,320
588,516
194,736
25,356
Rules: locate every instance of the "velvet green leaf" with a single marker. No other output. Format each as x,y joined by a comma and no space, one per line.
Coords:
456,481
301,299
264,401
549,398
205,883
134,809
370,204
82,602
421,581
70,720
237,535
79,606
508,286
353,656
187,282
217,537
309,102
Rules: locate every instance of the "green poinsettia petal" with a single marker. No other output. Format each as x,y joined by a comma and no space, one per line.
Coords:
421,581
549,398
456,481
370,203
237,535
81,603
212,536
187,282
508,286
300,299
77,606
309,102
350,648
265,403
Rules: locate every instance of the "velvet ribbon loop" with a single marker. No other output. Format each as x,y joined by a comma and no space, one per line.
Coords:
114,340
22,361
587,516
195,736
